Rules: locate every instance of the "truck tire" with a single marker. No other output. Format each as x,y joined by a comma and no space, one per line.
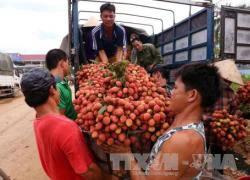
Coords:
3,175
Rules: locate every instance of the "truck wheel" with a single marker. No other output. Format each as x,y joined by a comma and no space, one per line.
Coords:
3,175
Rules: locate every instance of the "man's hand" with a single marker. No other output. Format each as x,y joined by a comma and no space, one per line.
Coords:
110,177
116,148
103,57
93,173
124,56
119,54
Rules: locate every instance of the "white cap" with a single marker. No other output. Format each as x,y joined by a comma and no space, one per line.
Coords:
229,71
92,21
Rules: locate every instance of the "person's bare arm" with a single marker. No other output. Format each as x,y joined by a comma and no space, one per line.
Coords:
174,160
168,163
119,54
102,56
125,55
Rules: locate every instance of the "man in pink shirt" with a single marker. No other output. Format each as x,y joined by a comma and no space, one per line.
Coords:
62,149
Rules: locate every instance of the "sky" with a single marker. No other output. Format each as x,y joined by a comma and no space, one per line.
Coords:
36,26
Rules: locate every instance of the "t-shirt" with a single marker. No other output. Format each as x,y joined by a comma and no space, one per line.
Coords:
62,149
102,42
66,99
89,52
148,56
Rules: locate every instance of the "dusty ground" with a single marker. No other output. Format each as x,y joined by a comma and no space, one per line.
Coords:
18,154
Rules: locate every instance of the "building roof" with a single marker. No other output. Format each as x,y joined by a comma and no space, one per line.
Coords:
16,57
33,57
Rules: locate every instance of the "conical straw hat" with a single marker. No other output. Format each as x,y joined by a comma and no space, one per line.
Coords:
92,21
229,71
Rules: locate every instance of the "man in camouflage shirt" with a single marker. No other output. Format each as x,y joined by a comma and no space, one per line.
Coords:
147,55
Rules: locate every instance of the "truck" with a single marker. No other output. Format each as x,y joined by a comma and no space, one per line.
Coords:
9,78
6,75
193,39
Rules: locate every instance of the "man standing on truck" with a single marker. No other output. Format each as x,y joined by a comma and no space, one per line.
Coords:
62,149
147,55
109,38
58,64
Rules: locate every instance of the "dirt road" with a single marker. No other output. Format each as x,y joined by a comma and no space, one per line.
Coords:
18,153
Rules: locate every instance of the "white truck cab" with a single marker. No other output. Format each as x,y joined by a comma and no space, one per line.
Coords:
7,81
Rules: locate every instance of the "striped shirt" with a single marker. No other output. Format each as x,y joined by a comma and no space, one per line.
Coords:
102,42
166,136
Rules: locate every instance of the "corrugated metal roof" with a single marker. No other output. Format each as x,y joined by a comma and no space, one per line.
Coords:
16,57
33,57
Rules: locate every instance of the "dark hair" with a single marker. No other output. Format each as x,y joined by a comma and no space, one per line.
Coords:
164,71
53,57
35,86
134,37
107,7
37,98
204,78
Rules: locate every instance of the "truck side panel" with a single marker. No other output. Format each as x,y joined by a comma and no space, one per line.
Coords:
188,41
235,34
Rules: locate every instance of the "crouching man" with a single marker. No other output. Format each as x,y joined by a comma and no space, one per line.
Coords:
63,152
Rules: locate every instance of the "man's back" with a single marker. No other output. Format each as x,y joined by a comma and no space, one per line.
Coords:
66,99
62,149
